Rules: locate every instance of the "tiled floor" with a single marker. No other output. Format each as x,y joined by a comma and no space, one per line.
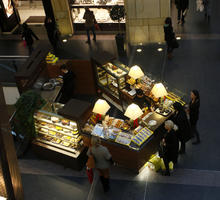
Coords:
195,65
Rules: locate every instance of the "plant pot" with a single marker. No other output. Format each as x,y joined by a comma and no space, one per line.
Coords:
119,38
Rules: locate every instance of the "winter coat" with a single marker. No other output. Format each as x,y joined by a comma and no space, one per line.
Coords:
180,119
68,83
90,19
27,35
172,146
194,112
169,35
182,4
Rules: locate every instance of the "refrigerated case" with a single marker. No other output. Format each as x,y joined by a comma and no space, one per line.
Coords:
58,133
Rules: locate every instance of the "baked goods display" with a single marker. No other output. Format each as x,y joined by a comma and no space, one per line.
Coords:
101,15
141,136
57,131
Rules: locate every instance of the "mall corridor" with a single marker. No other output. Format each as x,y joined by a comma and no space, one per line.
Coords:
195,65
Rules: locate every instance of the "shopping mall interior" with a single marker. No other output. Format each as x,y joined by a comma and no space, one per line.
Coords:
194,65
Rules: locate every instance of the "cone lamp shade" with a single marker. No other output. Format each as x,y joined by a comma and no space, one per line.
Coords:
159,90
101,107
135,72
133,111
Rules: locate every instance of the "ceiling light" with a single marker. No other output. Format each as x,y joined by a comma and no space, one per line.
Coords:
159,49
178,38
64,40
139,50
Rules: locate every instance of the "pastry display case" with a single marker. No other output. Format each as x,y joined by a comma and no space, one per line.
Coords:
58,132
112,77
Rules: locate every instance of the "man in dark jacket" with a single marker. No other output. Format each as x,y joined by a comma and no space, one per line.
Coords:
52,32
68,84
180,119
181,6
28,35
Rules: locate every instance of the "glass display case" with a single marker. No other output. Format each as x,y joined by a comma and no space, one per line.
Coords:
112,77
100,8
57,131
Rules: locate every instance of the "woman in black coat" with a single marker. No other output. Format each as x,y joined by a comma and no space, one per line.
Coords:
169,146
169,36
181,6
28,35
180,119
193,111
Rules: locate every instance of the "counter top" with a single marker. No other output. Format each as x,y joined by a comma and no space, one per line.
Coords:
51,95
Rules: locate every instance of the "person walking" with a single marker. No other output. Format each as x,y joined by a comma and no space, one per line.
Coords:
207,9
103,160
52,32
193,111
182,6
28,35
169,145
180,119
90,24
169,36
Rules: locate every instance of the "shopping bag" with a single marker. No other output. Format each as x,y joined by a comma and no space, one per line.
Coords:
90,174
154,162
162,165
97,27
90,162
175,44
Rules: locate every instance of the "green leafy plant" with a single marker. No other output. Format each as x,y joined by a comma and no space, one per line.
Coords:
117,13
23,120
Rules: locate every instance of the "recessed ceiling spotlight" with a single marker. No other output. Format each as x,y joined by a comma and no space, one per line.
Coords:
159,49
139,50
178,38
140,43
64,40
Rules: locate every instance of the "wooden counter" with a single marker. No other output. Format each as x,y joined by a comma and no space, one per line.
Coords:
134,157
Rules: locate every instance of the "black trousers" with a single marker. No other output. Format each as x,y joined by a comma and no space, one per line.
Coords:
195,132
180,15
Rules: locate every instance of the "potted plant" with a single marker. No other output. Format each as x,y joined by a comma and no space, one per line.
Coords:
23,121
117,13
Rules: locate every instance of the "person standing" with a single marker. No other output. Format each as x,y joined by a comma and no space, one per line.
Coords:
52,32
182,6
169,36
89,23
28,35
169,145
193,111
103,160
207,8
180,119
68,84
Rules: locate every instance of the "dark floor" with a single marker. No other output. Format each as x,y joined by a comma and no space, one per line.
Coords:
195,65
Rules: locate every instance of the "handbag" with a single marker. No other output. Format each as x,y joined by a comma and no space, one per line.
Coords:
90,162
174,43
97,27
90,175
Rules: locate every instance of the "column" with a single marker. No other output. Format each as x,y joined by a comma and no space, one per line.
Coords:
63,16
145,20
